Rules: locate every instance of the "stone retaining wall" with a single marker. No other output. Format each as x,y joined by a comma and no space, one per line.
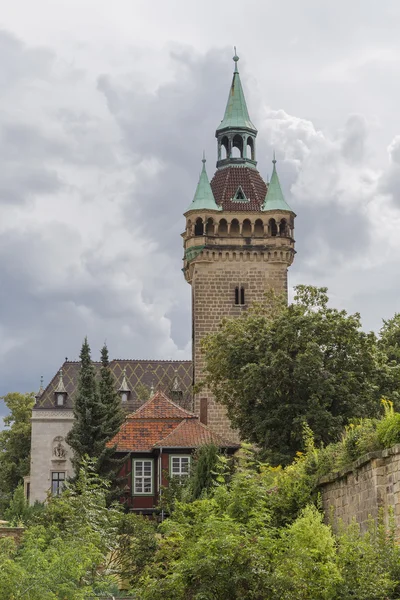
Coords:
361,490
14,532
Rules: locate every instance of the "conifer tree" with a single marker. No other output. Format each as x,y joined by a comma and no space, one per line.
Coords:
97,417
109,396
108,465
87,434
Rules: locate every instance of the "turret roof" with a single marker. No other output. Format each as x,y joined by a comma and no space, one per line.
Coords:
274,200
236,113
204,197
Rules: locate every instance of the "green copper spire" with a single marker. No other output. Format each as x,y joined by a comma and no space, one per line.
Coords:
274,199
236,113
204,197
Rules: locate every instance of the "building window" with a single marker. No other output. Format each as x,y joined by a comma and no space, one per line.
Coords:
180,466
239,295
57,482
60,399
143,477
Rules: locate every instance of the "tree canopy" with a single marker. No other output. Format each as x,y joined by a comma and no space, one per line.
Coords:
277,367
97,415
15,444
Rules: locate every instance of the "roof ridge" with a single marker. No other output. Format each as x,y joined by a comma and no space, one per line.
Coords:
173,431
165,397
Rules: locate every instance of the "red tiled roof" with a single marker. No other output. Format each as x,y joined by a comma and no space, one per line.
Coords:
161,422
161,407
140,435
226,181
192,434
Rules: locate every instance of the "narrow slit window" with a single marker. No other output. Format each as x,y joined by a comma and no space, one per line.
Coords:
239,295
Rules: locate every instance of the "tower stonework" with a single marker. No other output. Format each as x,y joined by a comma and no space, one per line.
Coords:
238,240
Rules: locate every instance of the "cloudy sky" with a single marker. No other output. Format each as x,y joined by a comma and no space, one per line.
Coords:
105,108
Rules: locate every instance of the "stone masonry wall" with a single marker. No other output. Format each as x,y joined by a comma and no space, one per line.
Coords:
359,492
47,427
213,297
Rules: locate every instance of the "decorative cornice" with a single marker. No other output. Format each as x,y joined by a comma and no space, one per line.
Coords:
52,415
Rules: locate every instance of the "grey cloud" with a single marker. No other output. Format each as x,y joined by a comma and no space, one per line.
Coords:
354,139
18,62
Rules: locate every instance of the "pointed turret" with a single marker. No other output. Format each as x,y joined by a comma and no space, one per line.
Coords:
236,133
236,113
204,197
274,200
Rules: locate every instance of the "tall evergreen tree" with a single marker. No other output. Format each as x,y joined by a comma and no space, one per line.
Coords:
97,416
87,434
108,464
109,396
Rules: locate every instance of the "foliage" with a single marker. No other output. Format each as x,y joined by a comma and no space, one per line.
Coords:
15,444
376,556
388,428
78,547
235,544
97,416
278,366
204,469
389,345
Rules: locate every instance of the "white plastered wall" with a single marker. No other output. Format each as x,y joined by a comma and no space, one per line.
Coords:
47,425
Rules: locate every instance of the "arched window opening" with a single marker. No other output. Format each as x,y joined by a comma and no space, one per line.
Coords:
223,228
259,228
246,229
273,229
224,148
237,146
210,227
250,148
235,227
239,295
283,227
199,227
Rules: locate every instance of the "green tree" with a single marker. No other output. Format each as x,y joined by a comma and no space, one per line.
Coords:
277,367
85,436
97,415
204,470
108,465
15,444
389,345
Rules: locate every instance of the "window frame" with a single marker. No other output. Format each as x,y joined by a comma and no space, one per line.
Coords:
59,488
240,295
142,477
180,456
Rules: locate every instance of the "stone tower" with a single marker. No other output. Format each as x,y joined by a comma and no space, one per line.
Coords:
238,240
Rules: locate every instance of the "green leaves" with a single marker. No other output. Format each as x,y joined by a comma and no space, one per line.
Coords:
15,444
97,416
276,369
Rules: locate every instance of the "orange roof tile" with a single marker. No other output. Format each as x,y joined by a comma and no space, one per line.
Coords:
161,407
140,435
192,434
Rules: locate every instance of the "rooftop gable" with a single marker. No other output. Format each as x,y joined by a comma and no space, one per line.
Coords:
160,406
193,434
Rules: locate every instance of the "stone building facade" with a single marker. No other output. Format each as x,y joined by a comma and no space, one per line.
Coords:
238,243
238,240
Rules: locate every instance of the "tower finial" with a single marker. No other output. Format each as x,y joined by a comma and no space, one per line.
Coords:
236,58
203,160
274,159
